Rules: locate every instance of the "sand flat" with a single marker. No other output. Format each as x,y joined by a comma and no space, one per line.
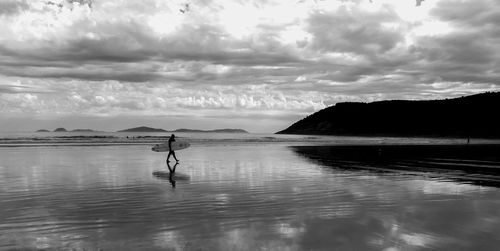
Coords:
234,196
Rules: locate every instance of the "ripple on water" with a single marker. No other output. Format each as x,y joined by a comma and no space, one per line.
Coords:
109,198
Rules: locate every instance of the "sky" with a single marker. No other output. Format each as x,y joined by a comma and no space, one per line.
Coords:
259,65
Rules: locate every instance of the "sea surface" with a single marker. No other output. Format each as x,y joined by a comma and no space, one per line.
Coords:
244,192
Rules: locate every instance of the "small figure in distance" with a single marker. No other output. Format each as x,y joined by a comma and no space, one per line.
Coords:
170,151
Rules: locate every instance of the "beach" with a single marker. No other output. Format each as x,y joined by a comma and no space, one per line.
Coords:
238,196
299,125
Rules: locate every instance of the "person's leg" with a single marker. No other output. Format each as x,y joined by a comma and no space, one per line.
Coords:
175,157
168,157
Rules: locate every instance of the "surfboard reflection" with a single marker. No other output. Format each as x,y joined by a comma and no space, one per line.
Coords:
171,175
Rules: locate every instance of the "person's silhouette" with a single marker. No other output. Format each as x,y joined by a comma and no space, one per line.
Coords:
170,151
171,176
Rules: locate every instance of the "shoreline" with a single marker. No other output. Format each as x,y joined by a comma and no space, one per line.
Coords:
341,143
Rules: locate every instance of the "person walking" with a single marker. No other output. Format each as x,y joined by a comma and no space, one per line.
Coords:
170,151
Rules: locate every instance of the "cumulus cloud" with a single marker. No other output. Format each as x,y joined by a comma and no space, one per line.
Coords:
251,58
108,97
12,7
343,31
468,52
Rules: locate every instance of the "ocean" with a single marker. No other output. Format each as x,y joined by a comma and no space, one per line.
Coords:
117,138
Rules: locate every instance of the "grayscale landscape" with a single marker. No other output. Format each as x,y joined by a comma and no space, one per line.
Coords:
249,125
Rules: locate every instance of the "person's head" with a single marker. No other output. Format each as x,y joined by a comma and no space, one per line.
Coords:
172,136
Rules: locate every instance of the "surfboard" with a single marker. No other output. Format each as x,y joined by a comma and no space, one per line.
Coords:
176,145
166,175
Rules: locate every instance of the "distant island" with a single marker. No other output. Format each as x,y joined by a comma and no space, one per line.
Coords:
182,130
213,131
150,129
469,116
143,129
83,130
61,129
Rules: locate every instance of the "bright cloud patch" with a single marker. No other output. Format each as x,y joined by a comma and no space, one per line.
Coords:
273,60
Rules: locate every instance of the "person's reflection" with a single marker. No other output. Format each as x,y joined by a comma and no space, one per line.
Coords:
171,176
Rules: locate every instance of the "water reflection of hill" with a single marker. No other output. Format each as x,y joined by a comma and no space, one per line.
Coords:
474,164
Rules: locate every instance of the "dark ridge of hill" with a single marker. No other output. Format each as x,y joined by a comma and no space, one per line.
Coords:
42,130
212,131
469,116
60,129
142,129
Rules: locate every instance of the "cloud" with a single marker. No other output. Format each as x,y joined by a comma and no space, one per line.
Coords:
93,40
469,13
83,73
468,52
19,88
12,7
419,2
108,97
266,57
343,31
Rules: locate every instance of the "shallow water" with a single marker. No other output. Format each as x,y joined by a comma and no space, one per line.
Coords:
126,138
232,197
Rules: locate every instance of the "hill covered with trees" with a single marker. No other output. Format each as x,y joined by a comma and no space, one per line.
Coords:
469,116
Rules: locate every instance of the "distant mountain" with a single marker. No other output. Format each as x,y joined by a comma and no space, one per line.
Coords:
60,129
42,130
470,116
213,131
83,130
143,129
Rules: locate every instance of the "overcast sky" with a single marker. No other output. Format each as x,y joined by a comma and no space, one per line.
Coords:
258,65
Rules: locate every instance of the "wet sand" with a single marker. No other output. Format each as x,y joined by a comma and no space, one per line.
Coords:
243,196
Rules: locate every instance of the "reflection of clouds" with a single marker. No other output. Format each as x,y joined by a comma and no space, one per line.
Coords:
361,232
252,168
343,209
420,240
246,197
253,238
48,167
443,187
289,230
341,233
394,211
42,242
238,239
222,198
169,240
46,241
